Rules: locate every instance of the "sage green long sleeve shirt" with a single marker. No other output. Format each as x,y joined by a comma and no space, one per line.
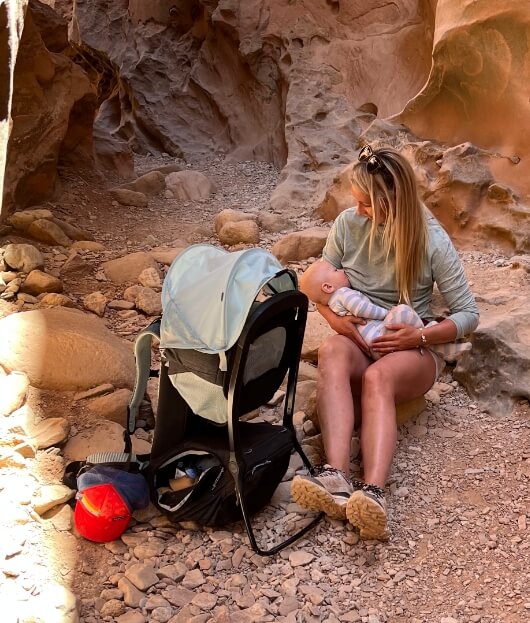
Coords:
347,247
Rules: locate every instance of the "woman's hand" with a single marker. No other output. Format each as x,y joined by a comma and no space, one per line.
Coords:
402,337
345,325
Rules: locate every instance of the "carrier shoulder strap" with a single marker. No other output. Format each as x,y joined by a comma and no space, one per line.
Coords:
142,353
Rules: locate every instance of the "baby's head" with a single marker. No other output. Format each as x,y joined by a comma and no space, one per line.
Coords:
320,280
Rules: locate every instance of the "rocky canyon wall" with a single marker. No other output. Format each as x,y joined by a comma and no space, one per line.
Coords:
301,84
11,25
52,114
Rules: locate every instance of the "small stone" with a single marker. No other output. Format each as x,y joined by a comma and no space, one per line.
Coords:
39,282
149,550
52,299
150,278
299,558
13,390
193,579
289,604
205,601
112,608
156,601
95,302
25,449
120,305
61,518
131,617
95,391
49,432
131,595
50,496
142,575
111,593
162,615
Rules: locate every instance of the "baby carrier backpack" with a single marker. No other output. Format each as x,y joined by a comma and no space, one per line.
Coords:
231,332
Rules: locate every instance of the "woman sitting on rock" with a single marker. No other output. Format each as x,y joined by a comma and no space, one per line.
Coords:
392,250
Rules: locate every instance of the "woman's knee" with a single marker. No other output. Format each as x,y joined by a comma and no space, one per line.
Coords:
333,348
377,379
337,355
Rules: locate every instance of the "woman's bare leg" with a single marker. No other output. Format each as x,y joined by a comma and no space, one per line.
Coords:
393,379
341,365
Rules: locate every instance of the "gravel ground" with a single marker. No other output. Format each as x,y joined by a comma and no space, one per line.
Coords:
458,493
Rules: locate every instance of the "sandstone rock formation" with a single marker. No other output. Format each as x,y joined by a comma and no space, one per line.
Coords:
64,349
12,21
477,89
302,85
497,371
53,111
264,80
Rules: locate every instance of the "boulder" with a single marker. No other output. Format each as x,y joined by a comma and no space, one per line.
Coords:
13,390
189,185
304,391
104,437
149,184
246,232
301,245
49,432
76,267
496,372
23,257
112,406
150,278
39,282
131,293
48,232
149,302
95,302
129,197
274,223
129,267
65,349
316,331
166,256
407,411
231,216
307,371
87,245
22,220
73,232
52,299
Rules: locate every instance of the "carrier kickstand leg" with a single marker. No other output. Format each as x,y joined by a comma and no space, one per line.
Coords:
235,388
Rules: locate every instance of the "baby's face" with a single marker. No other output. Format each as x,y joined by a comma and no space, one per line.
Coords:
336,277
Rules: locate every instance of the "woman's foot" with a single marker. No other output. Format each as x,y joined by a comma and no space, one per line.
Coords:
366,510
327,490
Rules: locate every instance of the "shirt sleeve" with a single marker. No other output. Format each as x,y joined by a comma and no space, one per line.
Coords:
334,248
358,304
448,273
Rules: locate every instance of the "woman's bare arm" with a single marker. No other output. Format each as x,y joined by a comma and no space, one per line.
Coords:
344,325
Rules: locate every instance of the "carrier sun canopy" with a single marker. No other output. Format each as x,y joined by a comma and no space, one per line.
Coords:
208,293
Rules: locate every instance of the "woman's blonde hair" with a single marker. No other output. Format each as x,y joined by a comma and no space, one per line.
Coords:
394,197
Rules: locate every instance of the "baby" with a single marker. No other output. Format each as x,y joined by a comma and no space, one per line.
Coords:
323,283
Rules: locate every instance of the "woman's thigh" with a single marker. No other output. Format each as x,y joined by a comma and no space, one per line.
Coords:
340,356
406,374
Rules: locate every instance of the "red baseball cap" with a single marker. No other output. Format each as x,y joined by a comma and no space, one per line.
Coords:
101,514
